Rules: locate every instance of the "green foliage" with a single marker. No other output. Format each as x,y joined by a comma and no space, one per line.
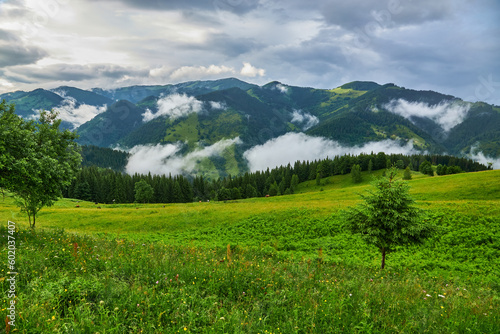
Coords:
104,157
109,127
388,218
356,174
370,166
407,174
318,179
144,193
426,168
27,102
274,189
78,283
448,170
106,185
37,160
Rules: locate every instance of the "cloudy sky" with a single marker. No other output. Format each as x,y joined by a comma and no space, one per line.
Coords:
450,46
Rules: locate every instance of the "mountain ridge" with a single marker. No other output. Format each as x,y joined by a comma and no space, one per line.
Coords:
197,115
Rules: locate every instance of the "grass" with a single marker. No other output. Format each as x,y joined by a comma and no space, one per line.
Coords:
72,283
289,266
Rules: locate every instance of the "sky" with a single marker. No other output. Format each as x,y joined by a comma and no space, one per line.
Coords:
450,46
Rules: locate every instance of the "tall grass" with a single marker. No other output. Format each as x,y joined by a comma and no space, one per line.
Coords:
289,266
76,284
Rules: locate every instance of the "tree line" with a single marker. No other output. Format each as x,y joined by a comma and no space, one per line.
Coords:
103,185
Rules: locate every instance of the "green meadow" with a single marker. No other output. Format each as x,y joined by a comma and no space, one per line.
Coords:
264,265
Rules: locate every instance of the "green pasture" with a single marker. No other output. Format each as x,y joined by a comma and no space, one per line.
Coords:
265,265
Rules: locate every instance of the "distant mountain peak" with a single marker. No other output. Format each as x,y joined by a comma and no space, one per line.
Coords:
361,85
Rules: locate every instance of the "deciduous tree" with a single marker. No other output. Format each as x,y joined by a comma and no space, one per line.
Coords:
37,159
143,192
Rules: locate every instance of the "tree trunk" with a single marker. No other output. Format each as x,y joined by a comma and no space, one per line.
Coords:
383,258
29,217
34,215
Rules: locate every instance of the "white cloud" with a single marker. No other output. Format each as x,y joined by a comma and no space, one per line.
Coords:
250,71
299,146
164,159
198,72
282,88
69,112
174,106
446,114
217,105
479,156
306,120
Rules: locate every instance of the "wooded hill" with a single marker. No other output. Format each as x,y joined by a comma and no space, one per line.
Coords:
106,186
353,114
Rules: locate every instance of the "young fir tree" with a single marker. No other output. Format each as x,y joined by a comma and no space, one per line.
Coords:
294,183
388,218
356,174
407,173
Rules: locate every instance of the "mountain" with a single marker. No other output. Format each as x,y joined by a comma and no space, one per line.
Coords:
135,94
214,123
109,127
28,102
83,96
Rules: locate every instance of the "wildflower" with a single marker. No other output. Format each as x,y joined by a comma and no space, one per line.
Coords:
428,295
441,296
156,282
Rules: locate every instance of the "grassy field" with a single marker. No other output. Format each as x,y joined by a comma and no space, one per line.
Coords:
266,265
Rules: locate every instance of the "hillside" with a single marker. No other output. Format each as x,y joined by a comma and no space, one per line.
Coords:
465,193
27,102
198,117
256,259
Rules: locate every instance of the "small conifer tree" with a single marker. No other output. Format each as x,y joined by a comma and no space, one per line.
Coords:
388,218
407,173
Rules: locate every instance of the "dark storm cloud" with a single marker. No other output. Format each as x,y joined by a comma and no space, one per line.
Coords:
65,72
360,13
16,52
325,47
227,45
234,6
